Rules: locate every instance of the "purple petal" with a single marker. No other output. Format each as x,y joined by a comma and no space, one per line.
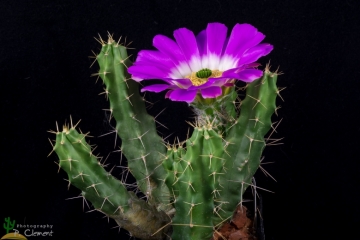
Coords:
211,92
140,72
201,43
220,81
201,40
224,46
245,75
251,65
187,43
169,81
216,36
229,84
159,60
167,94
182,83
249,75
168,47
156,88
182,95
209,83
232,73
254,53
243,37
155,58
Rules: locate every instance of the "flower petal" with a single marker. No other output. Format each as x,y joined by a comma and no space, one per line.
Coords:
202,43
201,40
156,88
140,72
182,83
158,59
169,47
168,93
243,37
254,53
216,36
220,81
209,83
211,92
153,57
245,75
182,95
187,43
249,75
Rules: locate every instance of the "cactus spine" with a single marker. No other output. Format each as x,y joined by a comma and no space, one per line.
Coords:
195,185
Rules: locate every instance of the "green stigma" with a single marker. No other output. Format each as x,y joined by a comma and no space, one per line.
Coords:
204,73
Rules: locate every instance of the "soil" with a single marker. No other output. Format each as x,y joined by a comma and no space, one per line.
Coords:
239,228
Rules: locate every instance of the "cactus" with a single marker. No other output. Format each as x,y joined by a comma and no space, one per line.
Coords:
191,187
9,225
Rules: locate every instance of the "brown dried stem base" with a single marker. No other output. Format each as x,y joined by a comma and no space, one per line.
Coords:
240,227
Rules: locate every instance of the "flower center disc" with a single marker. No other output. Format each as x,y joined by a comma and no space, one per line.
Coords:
202,76
204,73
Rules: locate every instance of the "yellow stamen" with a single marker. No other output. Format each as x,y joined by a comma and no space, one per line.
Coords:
196,81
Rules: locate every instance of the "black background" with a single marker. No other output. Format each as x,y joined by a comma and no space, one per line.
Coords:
44,72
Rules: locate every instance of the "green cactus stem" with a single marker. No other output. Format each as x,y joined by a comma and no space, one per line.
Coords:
245,142
195,184
141,144
209,177
107,194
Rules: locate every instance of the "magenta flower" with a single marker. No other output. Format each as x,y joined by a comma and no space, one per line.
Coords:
201,64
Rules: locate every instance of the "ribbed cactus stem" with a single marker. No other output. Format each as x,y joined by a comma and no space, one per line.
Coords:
195,185
106,193
245,142
141,144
